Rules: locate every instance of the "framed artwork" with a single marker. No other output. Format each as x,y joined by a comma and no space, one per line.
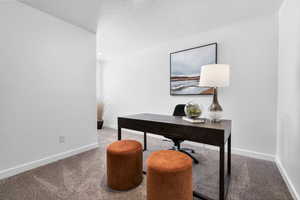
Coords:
185,69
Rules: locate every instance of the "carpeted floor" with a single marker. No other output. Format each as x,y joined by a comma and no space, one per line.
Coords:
82,177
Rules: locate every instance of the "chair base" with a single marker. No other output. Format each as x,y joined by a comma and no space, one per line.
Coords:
188,150
185,151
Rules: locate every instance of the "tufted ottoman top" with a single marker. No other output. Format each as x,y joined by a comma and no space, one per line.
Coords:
169,161
124,147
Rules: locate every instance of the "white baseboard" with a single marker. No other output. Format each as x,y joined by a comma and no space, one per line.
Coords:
238,151
287,180
44,161
241,152
253,154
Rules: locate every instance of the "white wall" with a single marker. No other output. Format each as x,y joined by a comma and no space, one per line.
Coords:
47,84
289,91
137,81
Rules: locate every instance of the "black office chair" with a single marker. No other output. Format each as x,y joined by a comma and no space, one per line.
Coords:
179,111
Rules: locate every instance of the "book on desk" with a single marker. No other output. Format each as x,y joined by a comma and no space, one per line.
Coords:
194,120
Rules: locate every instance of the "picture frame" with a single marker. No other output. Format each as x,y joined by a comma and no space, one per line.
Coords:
185,69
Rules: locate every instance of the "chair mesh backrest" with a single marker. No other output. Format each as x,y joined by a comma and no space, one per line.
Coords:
179,110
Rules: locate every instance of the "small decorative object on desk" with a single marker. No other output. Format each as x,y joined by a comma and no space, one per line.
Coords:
194,120
193,111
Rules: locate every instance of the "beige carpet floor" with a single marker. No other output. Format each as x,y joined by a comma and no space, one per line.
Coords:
82,177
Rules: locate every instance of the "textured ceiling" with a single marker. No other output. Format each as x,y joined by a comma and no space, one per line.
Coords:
82,13
143,14
131,25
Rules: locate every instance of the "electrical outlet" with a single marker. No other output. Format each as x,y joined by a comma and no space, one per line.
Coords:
61,139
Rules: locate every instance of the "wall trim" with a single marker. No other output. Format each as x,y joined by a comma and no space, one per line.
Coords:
44,161
237,151
287,179
253,154
241,152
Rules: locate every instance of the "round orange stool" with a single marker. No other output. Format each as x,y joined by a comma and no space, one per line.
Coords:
169,176
124,164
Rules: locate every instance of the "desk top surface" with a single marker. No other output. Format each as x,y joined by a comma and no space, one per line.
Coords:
168,119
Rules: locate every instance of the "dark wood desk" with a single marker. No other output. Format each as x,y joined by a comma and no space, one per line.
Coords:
217,134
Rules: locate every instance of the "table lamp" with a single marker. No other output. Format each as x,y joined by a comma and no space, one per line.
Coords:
216,75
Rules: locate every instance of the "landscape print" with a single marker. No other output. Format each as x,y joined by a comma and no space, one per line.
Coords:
186,69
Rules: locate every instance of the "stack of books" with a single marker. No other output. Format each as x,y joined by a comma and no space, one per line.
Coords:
194,120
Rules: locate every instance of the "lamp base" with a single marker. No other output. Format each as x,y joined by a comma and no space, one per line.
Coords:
215,110
215,116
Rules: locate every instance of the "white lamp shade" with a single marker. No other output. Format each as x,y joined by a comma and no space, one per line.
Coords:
216,75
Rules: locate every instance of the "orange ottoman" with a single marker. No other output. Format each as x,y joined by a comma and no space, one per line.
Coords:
169,176
124,164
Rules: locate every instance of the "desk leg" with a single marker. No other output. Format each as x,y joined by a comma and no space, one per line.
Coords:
221,175
222,178
145,141
229,155
119,133
223,187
